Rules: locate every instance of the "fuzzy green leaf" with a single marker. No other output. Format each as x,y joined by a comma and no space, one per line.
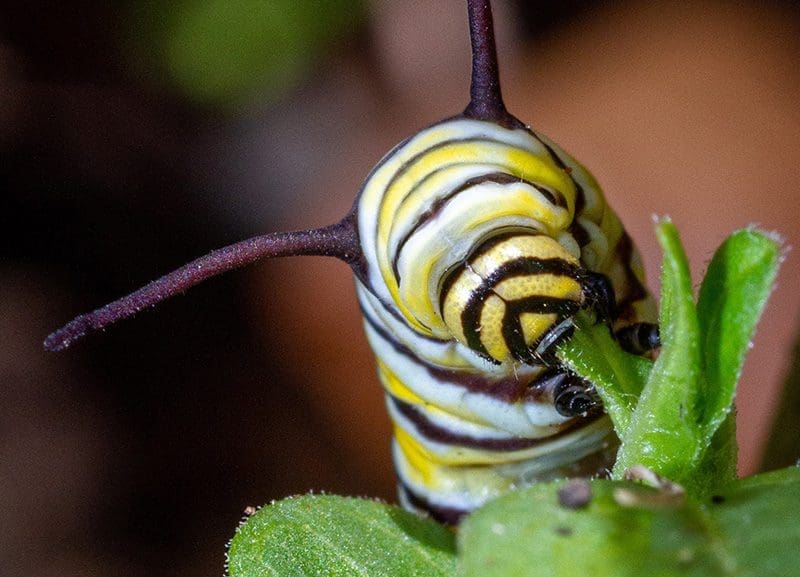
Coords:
718,463
749,529
732,297
618,376
332,536
757,518
663,432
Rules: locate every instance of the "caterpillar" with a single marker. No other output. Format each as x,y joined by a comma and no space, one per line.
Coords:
473,243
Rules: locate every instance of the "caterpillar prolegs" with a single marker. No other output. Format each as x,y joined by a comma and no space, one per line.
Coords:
474,243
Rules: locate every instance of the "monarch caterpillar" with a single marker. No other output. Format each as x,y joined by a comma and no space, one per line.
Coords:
473,244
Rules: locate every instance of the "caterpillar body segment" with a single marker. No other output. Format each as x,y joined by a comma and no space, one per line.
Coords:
475,264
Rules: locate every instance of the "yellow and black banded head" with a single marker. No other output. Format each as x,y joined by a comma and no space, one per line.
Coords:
512,289
452,212
482,231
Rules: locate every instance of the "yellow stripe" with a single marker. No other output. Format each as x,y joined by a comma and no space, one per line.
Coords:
491,328
395,387
534,325
418,458
456,299
462,220
546,285
521,246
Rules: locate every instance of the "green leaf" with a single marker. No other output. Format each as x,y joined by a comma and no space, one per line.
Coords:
748,529
663,431
732,297
618,376
757,518
718,464
326,535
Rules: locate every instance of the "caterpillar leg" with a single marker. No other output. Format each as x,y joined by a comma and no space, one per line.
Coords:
570,394
598,295
545,351
639,338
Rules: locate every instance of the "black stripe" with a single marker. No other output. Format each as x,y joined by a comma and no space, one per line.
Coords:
579,233
470,316
439,204
553,155
506,389
446,515
575,228
436,433
406,166
498,238
544,306
514,336
634,291
580,195
533,266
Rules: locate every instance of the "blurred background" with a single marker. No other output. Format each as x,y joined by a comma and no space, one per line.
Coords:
135,136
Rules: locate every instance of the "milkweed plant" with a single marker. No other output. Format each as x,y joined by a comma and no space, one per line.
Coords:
672,504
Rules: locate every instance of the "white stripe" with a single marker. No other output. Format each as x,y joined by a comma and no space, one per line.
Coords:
523,419
375,185
470,487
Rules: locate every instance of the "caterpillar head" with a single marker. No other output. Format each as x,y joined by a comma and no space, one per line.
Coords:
464,230
510,292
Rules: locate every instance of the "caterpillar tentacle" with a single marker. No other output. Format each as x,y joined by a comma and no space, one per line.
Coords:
338,240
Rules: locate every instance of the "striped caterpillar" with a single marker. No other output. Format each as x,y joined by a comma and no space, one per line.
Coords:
473,244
